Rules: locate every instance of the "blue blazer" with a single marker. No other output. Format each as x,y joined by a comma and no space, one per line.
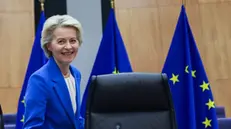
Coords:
47,101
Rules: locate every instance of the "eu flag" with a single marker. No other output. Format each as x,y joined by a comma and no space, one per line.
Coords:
190,88
37,60
111,57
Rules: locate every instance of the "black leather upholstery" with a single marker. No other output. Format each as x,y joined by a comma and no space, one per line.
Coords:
130,101
1,118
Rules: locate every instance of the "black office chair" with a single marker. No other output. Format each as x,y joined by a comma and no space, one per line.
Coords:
130,101
1,118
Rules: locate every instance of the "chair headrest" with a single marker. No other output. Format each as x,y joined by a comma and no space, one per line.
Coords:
129,92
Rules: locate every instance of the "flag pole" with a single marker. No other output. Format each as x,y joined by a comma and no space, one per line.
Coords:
114,27
183,2
42,4
113,4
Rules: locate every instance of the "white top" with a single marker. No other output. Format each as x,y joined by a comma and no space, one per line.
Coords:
70,81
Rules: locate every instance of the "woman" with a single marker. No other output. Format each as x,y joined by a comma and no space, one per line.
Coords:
52,97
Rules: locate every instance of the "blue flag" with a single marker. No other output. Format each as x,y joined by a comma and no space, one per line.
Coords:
190,88
37,60
111,57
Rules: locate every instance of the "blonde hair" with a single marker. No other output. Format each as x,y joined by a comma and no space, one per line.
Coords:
58,21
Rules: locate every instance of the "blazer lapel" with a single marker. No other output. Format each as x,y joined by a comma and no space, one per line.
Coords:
64,98
61,90
77,77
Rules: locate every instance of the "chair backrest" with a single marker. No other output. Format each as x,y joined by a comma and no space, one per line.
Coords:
130,101
1,118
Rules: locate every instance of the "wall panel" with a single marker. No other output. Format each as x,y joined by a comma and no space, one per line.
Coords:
168,18
18,6
16,37
148,27
135,3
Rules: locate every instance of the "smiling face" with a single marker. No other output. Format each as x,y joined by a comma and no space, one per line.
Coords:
64,45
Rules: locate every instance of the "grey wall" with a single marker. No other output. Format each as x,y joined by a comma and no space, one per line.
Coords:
88,12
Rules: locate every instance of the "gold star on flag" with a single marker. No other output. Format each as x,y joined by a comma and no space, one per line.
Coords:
115,71
186,69
207,122
205,86
22,120
193,73
23,101
210,104
174,78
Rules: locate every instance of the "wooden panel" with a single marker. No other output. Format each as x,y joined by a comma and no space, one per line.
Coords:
16,5
221,92
191,2
169,2
16,37
9,99
168,20
209,1
135,3
21,45
214,24
216,37
16,40
148,31
124,22
193,13
4,62
147,28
